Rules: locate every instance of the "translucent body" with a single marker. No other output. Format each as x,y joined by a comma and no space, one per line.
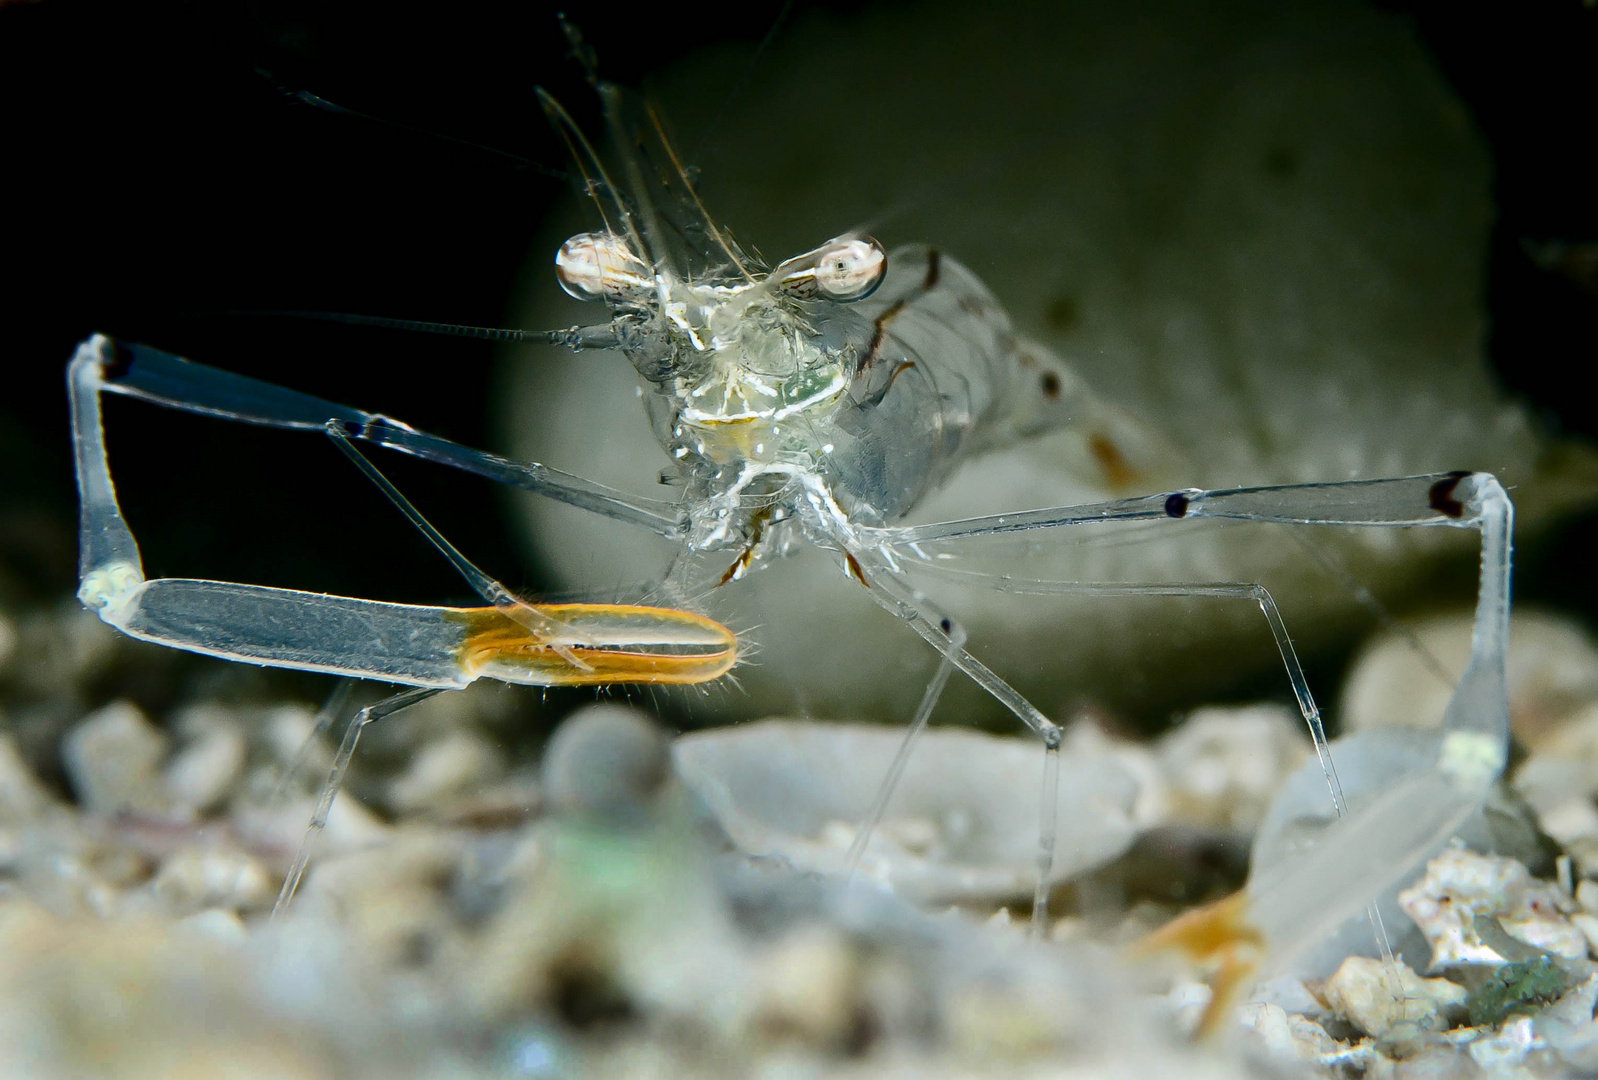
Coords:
831,413
1266,245
789,412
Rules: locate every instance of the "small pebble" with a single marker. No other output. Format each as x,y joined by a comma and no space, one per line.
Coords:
806,985
605,760
449,767
1459,885
112,759
1587,895
1386,998
1288,1034
205,772
197,878
1505,1050
21,796
218,924
1223,766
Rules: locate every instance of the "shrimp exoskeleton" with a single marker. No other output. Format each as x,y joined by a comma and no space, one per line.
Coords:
819,402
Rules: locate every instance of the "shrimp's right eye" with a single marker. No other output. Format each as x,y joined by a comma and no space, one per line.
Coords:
601,266
843,270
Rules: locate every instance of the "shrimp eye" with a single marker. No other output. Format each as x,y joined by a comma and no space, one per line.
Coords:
601,266
846,269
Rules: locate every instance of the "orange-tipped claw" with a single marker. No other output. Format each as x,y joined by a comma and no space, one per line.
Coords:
1218,936
618,643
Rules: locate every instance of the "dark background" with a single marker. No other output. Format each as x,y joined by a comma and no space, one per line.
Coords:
155,181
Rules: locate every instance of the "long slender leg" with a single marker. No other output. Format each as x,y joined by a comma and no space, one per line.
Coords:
1476,723
399,643
918,724
888,590
1457,500
331,710
341,763
1221,590
160,377
1217,590
1433,499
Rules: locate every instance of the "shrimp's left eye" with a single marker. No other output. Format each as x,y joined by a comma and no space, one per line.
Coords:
844,270
601,266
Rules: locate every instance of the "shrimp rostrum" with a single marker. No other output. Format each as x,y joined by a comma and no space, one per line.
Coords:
816,402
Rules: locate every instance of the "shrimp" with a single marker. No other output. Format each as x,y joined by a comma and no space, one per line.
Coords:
817,402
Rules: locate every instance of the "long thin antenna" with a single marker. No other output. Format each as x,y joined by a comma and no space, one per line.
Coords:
704,215
573,337
316,101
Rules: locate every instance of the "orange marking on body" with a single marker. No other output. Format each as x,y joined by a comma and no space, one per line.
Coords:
904,366
1220,935
618,643
854,569
1117,470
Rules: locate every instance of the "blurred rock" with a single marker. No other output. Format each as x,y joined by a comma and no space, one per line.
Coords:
1385,999
962,823
1460,885
1406,678
113,758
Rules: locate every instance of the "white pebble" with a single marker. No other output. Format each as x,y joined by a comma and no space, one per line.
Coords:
204,772
454,765
1496,1054
21,796
196,878
1587,895
217,924
112,757
1289,1035
807,983
1384,998
1459,885
1222,766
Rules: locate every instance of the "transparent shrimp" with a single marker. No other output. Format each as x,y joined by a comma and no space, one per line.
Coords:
820,401
817,403
429,649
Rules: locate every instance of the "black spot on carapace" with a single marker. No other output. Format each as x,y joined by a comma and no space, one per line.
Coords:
117,367
1441,497
1176,505
1281,162
1062,314
1051,385
934,268
945,625
353,428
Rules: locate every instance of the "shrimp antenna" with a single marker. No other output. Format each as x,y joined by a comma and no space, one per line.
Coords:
610,97
682,174
305,97
582,151
656,248
575,338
